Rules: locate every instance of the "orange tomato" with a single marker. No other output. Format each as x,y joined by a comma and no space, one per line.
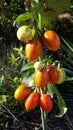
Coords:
53,74
51,40
32,101
46,103
41,77
21,92
33,49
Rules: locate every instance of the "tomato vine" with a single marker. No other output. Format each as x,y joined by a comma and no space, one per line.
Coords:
45,74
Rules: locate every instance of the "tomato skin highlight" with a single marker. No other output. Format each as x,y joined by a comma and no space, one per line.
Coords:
41,78
51,40
33,49
53,74
32,101
46,103
21,92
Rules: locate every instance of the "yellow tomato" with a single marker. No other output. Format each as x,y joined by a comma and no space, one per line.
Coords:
62,76
25,33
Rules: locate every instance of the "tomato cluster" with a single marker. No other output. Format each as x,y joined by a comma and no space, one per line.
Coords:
33,47
50,74
32,99
44,73
42,77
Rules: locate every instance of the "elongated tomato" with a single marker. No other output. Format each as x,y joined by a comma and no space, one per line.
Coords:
32,101
53,74
51,40
33,49
46,103
41,78
21,92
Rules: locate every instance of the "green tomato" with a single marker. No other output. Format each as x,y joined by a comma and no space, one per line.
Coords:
24,33
62,76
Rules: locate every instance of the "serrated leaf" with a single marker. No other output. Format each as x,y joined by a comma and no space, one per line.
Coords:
61,103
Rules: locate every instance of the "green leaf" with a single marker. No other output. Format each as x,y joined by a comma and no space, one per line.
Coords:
66,49
2,2
68,72
61,103
23,17
27,67
50,90
69,79
58,6
28,80
68,45
49,9
1,80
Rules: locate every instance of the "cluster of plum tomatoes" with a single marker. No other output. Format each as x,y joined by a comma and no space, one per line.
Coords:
33,99
42,74
33,47
42,77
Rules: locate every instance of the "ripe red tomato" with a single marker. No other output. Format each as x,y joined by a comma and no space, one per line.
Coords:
33,49
41,77
32,101
46,103
21,92
53,74
51,40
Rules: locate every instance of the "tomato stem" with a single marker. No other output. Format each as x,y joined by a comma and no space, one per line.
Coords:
59,65
44,119
39,21
43,115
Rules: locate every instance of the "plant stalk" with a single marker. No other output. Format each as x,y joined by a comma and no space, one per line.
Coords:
44,119
40,21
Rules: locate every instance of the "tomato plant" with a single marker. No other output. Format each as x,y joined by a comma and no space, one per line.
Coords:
41,78
33,49
21,92
46,103
32,101
53,74
37,67
51,40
